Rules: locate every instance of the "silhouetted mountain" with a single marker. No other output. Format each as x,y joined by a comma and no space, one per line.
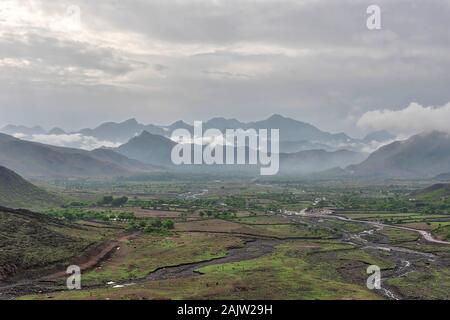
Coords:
39,160
312,161
295,136
132,165
120,132
297,146
57,131
12,130
222,124
178,125
423,155
16,192
148,148
293,130
290,130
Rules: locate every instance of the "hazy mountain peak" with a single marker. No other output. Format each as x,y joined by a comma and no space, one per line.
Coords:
57,131
179,123
131,121
379,136
223,124
423,155
146,134
13,129
277,116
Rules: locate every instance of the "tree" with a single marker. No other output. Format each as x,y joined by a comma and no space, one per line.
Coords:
126,216
118,202
156,223
168,224
106,200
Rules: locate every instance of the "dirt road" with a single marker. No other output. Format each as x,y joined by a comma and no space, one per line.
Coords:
91,259
426,235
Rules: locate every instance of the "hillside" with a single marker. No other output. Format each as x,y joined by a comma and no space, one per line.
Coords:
435,192
16,192
318,160
290,130
33,159
295,135
120,132
423,155
148,148
35,241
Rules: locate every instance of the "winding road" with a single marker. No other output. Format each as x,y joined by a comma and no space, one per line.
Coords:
426,235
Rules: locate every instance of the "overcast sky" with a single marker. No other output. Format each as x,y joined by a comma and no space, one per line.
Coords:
160,61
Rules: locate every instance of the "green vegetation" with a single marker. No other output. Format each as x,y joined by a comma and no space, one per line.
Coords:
15,192
169,222
138,257
113,202
434,284
74,214
31,241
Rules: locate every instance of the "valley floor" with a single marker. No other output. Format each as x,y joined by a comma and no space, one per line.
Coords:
262,257
253,254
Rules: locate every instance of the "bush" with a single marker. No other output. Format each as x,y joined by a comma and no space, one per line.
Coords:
168,224
106,200
118,202
156,223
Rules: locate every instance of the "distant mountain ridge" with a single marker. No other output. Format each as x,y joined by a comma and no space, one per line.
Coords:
148,148
121,132
315,161
156,150
13,130
33,159
423,155
292,132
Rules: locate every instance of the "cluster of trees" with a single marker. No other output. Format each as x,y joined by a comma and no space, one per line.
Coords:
79,214
154,225
162,204
113,202
398,204
227,214
75,204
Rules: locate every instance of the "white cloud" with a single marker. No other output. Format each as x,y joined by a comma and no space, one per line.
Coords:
202,59
410,120
75,140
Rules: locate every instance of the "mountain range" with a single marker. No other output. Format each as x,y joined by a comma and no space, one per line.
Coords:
33,159
304,149
423,155
154,149
314,161
295,135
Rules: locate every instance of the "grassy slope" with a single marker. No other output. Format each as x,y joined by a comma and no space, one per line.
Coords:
288,273
34,241
16,192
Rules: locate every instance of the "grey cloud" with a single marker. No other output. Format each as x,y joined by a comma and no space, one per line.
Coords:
160,61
